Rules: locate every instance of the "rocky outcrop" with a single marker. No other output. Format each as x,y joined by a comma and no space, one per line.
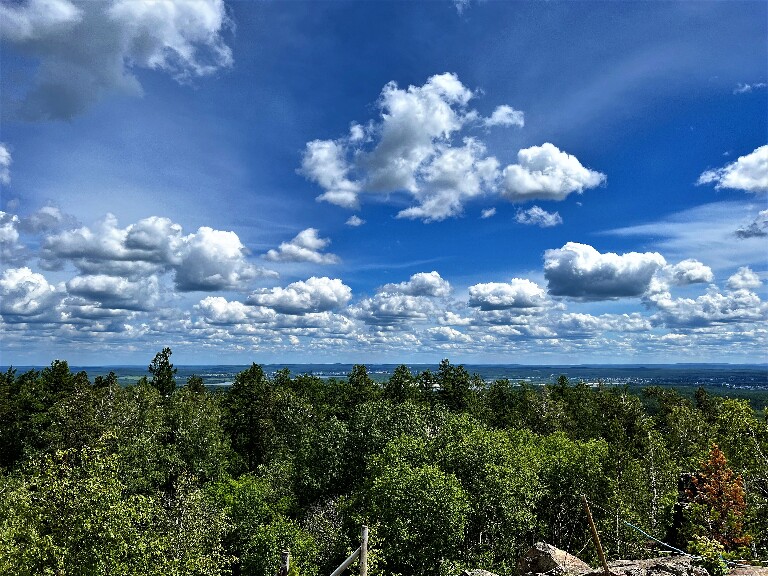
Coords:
665,566
546,559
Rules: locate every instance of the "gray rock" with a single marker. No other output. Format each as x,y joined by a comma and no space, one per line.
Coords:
477,573
664,566
544,558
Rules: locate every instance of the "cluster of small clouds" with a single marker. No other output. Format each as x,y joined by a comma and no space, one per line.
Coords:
421,146
202,261
119,271
87,49
123,279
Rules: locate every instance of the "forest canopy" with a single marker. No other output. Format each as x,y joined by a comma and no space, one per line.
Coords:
448,471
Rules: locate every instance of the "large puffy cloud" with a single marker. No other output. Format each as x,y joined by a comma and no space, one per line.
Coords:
107,248
690,271
748,173
413,121
302,297
388,309
536,216
5,164
204,261
518,293
411,150
306,246
453,176
712,308
213,260
421,284
218,310
324,162
26,295
579,271
86,49
546,173
113,292
744,279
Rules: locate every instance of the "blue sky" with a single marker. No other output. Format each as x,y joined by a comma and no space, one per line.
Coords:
530,182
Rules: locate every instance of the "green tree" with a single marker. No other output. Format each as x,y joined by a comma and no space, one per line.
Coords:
363,388
163,373
249,407
456,386
401,386
420,514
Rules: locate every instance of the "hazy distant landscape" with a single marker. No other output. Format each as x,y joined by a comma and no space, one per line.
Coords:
449,469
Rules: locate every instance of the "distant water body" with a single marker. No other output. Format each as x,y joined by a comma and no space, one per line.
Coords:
720,375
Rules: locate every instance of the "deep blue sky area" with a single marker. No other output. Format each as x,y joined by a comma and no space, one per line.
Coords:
530,182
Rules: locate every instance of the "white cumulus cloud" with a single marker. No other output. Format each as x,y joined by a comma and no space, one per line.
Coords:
203,261
506,116
354,221
536,216
546,173
690,271
744,279
421,284
306,246
518,293
26,295
579,271
324,162
411,150
214,260
87,49
11,249
218,310
748,173
116,293
710,309
391,308
312,295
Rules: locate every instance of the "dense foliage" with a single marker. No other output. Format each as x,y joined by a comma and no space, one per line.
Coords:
448,472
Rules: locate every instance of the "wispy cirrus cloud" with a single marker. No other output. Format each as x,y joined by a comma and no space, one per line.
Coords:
710,229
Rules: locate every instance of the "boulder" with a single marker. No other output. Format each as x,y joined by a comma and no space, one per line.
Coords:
664,566
544,558
477,573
